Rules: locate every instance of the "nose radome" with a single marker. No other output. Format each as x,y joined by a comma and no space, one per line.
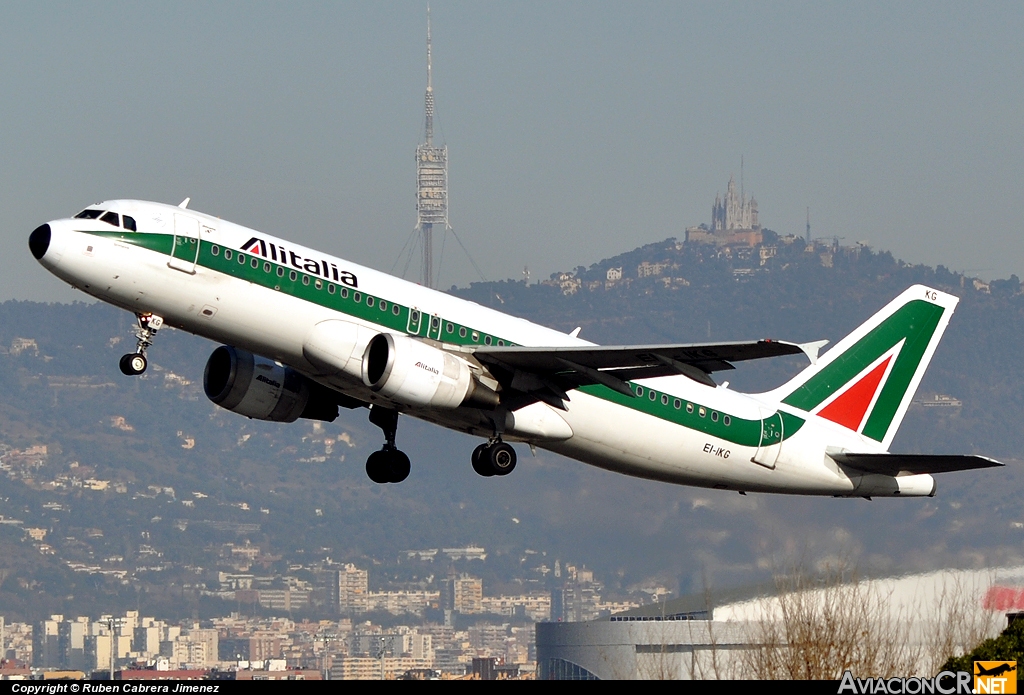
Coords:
39,241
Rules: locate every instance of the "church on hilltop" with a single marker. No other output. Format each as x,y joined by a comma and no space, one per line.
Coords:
733,221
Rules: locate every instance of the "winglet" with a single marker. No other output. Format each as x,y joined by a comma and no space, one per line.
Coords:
184,204
575,332
811,349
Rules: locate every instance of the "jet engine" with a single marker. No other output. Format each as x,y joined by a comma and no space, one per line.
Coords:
263,389
412,372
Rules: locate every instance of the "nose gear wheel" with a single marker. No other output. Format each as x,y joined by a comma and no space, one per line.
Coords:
135,363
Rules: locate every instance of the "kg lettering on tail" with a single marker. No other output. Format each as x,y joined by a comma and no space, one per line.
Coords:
305,334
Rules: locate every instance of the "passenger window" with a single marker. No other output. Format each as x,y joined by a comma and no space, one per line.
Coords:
88,214
653,395
476,337
689,407
714,416
241,259
319,284
501,342
383,305
293,276
677,404
369,301
129,223
448,328
727,420
227,254
111,218
330,289
639,390
305,279
215,250
357,297
395,309
344,293
462,332
702,412
280,271
255,263
435,322
266,267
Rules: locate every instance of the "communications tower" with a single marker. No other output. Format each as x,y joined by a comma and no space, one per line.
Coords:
431,180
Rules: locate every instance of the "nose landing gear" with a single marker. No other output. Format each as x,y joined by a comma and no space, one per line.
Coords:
389,465
135,363
494,458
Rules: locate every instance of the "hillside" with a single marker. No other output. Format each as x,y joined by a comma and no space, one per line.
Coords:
143,483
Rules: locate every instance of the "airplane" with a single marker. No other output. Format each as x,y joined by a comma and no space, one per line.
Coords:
305,333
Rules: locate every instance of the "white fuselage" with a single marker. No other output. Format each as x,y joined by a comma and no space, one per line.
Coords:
118,269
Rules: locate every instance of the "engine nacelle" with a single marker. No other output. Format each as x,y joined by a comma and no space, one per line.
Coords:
412,372
259,388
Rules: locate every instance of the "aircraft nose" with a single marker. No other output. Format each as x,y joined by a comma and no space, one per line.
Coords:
39,241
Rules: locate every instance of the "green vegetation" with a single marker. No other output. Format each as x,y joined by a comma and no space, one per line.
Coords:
1008,646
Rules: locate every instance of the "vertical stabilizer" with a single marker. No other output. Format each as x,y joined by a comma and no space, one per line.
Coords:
867,380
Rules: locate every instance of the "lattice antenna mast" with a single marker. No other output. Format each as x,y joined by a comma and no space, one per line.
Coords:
431,178
428,100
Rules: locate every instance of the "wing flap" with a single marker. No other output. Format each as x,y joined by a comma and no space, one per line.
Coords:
893,464
714,355
548,373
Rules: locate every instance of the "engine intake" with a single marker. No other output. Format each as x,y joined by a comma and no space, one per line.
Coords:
415,373
256,387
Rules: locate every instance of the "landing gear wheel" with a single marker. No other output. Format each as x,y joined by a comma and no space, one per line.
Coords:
502,458
481,461
398,466
377,467
133,364
388,466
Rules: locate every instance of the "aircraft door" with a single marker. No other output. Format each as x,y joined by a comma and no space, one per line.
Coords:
771,439
415,322
185,250
434,331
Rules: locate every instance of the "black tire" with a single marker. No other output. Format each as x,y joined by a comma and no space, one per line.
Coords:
502,458
133,364
377,467
482,461
398,466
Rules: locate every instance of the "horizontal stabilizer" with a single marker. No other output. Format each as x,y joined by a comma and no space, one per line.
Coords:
893,464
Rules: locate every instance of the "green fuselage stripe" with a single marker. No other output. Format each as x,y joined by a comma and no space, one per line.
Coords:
396,317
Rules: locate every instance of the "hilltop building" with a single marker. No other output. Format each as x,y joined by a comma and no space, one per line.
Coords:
734,221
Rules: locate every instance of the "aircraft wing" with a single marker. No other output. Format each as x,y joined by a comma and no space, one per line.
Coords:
892,464
547,373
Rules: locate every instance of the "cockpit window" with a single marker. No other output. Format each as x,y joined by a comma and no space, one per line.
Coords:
88,214
111,218
129,223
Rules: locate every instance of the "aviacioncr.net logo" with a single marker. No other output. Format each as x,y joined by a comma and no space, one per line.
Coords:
946,683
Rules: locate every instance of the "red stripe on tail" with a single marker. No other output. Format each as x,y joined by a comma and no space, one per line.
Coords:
849,409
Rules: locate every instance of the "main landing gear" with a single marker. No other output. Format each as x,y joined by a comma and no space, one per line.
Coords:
389,465
135,363
494,458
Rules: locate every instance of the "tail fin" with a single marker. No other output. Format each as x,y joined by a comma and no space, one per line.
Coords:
867,380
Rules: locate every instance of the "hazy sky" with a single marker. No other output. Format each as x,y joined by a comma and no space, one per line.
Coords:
575,130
